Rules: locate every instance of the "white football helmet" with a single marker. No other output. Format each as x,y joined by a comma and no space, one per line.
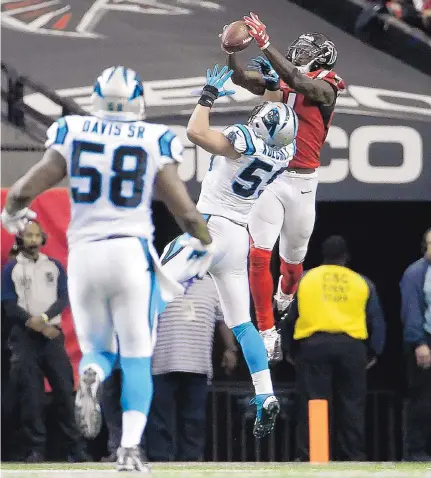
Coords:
275,123
119,95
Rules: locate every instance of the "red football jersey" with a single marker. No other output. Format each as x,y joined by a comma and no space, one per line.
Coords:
314,120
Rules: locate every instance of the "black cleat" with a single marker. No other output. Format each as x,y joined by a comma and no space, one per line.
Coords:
267,410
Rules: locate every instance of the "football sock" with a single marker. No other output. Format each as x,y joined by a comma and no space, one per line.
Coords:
254,353
262,382
262,287
136,395
291,274
100,362
133,426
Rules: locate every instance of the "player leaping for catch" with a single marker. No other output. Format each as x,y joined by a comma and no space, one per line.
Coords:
116,283
304,80
246,157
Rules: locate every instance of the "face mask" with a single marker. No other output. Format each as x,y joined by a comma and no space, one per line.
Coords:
305,68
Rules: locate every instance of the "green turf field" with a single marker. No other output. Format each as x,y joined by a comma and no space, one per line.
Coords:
230,470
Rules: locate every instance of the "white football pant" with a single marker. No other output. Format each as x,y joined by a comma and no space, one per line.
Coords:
113,290
228,269
287,209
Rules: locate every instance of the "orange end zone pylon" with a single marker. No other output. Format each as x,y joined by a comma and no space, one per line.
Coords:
318,426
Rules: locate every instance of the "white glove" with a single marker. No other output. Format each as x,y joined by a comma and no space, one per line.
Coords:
15,223
201,255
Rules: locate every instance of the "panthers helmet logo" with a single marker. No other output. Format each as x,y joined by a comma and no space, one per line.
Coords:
271,120
74,18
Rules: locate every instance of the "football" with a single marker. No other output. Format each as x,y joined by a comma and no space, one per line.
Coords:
235,37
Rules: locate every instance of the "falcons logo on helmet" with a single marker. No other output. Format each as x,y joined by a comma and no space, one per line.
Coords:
76,18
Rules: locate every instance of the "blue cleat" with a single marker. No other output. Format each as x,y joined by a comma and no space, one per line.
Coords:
267,410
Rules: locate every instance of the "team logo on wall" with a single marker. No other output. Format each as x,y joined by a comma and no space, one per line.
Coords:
77,18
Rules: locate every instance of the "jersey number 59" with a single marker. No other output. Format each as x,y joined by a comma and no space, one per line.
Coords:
247,182
135,176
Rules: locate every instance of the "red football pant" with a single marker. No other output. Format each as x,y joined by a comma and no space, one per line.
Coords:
262,287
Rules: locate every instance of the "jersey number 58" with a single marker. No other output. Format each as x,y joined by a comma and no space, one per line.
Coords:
135,176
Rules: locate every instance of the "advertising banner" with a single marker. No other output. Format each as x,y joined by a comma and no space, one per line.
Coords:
368,155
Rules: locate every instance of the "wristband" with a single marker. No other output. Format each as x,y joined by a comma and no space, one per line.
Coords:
265,46
208,96
45,318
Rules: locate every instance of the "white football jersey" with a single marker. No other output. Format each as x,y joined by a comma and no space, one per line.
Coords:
231,186
111,166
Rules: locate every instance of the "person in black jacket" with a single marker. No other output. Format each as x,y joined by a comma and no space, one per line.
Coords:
416,315
7,387
34,293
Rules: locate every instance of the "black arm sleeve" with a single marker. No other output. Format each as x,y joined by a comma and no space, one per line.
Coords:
15,313
62,296
375,321
57,307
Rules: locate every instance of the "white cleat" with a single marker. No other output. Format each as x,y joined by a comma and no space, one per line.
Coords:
272,341
282,300
88,414
131,459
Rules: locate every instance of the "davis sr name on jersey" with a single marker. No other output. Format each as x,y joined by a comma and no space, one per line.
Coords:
113,129
111,167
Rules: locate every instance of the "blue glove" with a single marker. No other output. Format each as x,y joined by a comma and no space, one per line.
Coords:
213,88
212,77
218,79
268,73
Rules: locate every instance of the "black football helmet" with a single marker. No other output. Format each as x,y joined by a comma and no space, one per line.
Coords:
312,51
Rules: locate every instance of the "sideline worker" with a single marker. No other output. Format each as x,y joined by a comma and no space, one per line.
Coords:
34,294
335,312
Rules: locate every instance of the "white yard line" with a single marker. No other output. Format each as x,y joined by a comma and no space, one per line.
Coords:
15,24
304,473
44,19
29,8
93,14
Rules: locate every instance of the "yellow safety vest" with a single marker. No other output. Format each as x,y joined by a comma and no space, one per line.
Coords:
332,299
